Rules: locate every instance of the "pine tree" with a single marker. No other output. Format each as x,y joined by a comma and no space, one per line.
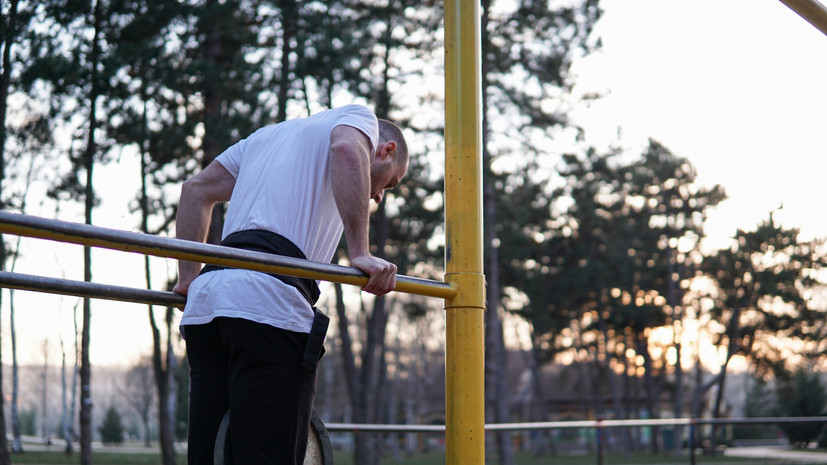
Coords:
802,396
111,429
758,299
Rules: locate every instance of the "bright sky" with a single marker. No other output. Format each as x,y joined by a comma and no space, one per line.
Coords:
736,86
739,87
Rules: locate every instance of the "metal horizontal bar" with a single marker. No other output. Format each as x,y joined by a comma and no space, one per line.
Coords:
377,428
29,282
813,11
127,241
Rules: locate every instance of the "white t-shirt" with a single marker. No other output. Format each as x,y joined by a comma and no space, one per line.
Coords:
283,184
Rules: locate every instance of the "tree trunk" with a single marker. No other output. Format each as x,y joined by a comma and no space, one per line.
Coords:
733,334
617,402
163,373
539,411
75,376
495,363
676,302
17,442
89,194
65,419
9,33
289,18
495,355
354,377
650,389
210,145
365,382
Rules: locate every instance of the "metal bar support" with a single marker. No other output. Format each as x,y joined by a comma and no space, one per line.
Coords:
28,282
464,341
126,241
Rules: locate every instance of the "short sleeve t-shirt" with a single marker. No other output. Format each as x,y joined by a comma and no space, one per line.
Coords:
283,184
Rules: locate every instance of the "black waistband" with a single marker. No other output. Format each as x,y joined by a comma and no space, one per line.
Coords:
261,240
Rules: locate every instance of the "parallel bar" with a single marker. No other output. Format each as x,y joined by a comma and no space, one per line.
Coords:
575,424
126,241
464,340
811,10
28,282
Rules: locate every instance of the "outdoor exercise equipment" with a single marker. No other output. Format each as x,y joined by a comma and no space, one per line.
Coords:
464,286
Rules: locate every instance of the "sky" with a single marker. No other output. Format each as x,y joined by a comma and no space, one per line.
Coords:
738,87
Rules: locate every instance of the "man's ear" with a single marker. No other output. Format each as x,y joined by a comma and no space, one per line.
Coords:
388,149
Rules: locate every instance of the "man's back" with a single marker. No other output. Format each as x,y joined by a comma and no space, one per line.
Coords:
283,180
282,185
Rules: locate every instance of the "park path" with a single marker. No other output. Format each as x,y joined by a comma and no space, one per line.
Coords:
779,453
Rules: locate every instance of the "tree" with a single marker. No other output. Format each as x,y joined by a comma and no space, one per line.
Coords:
594,260
802,396
228,85
149,121
759,402
67,408
404,222
139,392
71,63
532,44
181,374
757,298
111,429
14,21
758,294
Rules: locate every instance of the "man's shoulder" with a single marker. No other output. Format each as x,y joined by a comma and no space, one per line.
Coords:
353,109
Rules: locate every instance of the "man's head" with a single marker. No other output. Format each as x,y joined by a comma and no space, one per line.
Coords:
390,162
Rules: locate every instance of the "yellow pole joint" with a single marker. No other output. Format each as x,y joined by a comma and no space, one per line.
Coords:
470,290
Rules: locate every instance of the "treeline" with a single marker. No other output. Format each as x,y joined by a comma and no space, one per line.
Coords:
598,250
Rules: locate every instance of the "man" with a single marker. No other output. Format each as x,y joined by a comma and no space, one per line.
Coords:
253,339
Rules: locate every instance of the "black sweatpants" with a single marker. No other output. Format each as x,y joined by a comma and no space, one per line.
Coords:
257,372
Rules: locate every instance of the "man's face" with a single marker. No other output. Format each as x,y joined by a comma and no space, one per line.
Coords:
384,174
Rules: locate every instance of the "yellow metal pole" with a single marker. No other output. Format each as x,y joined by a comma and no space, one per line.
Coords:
464,352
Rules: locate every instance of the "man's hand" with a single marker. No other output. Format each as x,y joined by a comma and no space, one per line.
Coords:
382,273
181,288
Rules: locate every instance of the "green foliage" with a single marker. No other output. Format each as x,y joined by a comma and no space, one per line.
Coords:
111,429
599,248
182,400
802,396
28,421
759,402
761,284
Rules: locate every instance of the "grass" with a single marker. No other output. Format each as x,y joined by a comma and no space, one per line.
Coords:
431,458
438,458
98,458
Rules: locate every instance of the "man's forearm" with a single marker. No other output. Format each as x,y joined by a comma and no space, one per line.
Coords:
191,223
198,195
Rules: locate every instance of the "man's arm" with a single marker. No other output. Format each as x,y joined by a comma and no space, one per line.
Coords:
198,195
350,158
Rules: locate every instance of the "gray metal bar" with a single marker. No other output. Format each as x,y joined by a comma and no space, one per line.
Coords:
95,236
28,282
573,424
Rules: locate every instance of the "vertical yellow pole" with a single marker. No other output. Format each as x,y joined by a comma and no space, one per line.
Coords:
464,352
